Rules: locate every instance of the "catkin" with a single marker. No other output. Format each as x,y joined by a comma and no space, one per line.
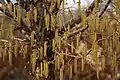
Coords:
28,18
61,73
53,44
58,4
10,7
75,65
35,14
70,71
72,46
10,53
16,48
41,69
32,38
59,40
41,52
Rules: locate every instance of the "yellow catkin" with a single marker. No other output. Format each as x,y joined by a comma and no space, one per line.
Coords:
83,64
10,53
28,17
33,61
32,38
10,31
60,22
77,40
41,52
14,12
116,72
98,73
65,36
16,48
19,16
56,34
10,7
25,51
59,43
45,49
53,44
52,22
70,71
75,65
41,69
35,14
47,18
46,66
66,51
72,46
61,73
57,63
58,3
68,28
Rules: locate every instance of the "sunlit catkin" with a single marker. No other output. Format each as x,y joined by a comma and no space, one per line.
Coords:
32,38
70,71
25,51
58,3
35,14
52,22
45,68
72,47
33,61
10,7
16,48
61,73
56,34
41,69
28,18
10,53
19,15
47,18
57,63
41,52
53,44
14,12
45,49
68,28
59,43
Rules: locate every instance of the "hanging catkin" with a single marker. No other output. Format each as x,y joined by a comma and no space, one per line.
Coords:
61,73
16,48
10,7
35,14
10,53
